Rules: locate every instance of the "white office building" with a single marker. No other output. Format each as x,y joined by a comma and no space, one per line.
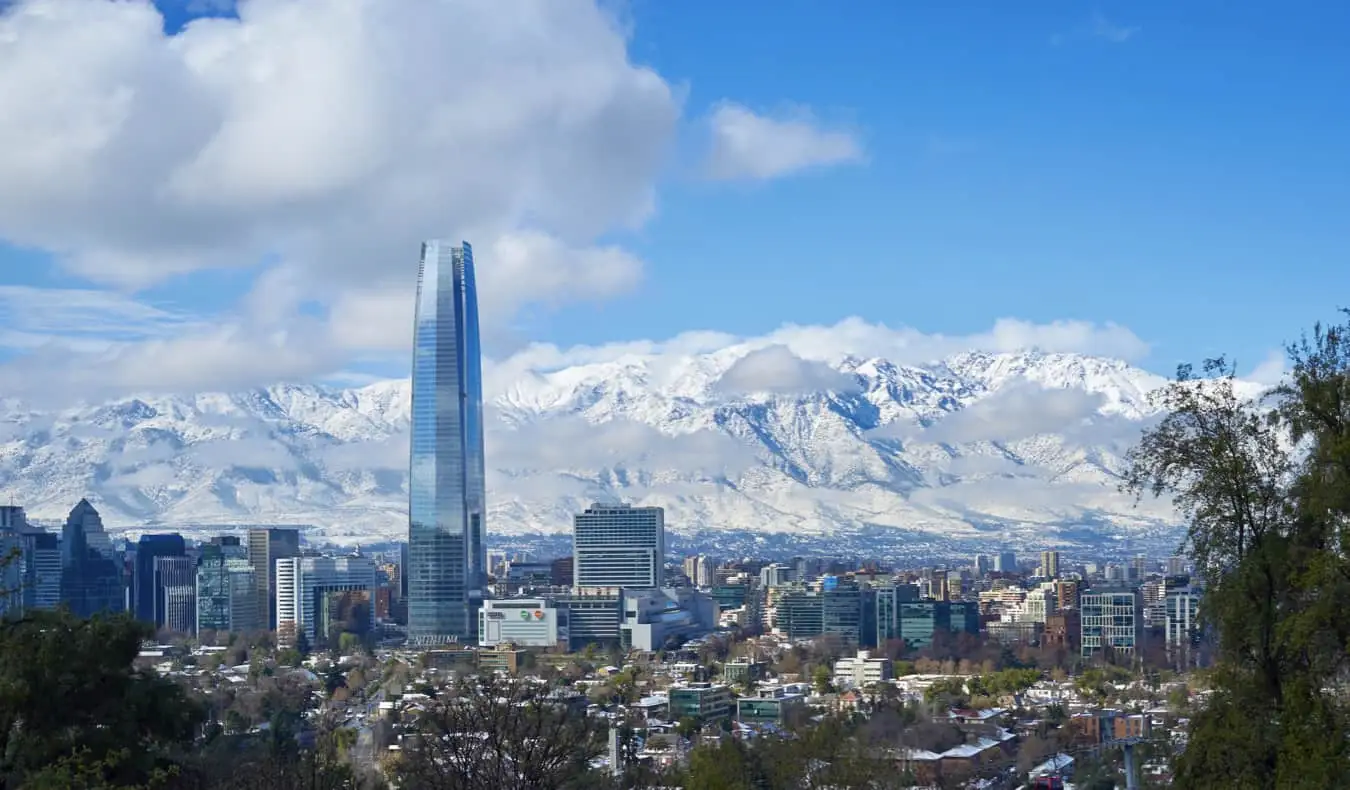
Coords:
862,670
523,622
313,592
619,546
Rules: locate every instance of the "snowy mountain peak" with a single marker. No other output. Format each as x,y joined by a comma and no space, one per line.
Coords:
741,437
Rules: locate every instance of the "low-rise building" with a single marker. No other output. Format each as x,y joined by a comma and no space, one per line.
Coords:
770,705
862,670
703,702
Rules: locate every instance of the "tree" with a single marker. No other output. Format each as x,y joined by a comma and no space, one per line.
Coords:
68,684
821,680
501,733
1268,533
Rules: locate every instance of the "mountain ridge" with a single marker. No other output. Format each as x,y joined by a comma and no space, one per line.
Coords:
739,438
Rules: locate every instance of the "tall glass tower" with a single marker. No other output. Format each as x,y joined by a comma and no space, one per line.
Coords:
447,558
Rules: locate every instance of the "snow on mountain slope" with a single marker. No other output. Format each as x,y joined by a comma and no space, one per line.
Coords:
739,438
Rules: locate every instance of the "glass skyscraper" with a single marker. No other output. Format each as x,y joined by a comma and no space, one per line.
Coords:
447,557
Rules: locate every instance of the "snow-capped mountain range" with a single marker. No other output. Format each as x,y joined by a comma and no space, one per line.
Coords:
740,438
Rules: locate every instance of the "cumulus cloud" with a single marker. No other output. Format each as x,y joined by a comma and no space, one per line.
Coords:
775,369
748,145
573,444
323,139
852,337
250,452
1016,412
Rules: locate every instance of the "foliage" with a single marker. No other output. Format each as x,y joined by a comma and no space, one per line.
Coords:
503,734
73,706
1268,534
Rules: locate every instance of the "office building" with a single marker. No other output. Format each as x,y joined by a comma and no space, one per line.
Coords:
447,499
323,597
1005,562
91,576
227,594
174,580
13,525
523,622
266,547
1176,566
655,619
888,600
832,608
619,546
983,565
1112,618
862,670
771,705
145,596
1182,620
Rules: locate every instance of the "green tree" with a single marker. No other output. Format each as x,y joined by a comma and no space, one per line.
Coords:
73,706
821,679
1269,532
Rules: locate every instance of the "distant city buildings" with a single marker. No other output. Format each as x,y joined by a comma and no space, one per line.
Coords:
447,554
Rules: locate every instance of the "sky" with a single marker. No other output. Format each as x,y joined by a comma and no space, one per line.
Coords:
200,195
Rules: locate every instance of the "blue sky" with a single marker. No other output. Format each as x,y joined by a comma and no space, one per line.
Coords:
1180,169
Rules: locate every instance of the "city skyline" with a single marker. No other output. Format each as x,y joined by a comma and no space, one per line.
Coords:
447,505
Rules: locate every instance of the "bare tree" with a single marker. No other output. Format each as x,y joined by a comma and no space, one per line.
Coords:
504,734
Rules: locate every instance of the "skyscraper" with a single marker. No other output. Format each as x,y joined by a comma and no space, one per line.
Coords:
145,595
619,546
266,546
91,581
447,558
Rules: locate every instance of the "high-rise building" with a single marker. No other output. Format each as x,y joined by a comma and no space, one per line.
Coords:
447,498
13,525
145,597
266,547
1176,566
619,546
324,596
91,579
1050,564
227,596
1005,562
175,586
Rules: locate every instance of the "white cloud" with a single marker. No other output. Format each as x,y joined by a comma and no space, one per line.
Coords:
250,452
1017,412
562,444
1271,370
775,369
328,137
851,337
747,145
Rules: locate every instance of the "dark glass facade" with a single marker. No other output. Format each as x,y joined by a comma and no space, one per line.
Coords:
447,556
91,581
146,596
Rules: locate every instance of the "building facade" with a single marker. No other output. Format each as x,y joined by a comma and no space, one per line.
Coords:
619,546
324,596
447,499
524,622
145,596
266,547
227,594
91,577
1112,618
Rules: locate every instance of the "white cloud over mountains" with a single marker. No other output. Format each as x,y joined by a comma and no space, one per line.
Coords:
315,143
